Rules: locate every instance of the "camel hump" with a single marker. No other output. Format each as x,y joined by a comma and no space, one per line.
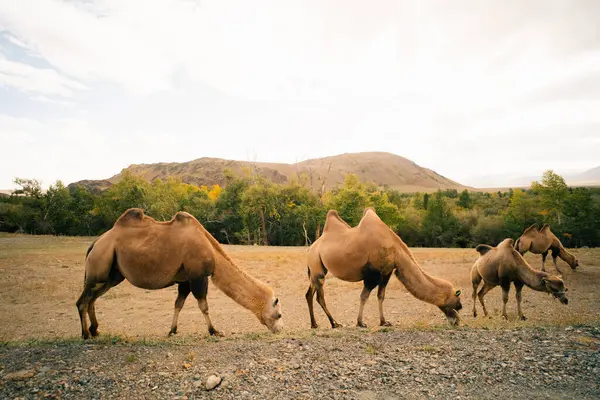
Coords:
333,214
130,215
545,228
532,228
182,216
332,218
483,248
508,242
369,209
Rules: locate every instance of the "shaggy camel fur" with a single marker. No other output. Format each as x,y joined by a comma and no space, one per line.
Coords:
540,241
502,265
155,255
371,252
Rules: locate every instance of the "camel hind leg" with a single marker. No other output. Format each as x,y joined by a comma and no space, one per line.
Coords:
183,291
475,280
482,292
317,284
114,279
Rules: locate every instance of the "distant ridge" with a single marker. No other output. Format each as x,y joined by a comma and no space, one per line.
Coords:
381,168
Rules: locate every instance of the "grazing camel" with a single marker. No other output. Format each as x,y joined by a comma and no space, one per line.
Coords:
371,252
155,255
502,265
540,241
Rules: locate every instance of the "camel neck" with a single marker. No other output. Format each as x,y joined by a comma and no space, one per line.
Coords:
241,287
531,277
565,255
419,283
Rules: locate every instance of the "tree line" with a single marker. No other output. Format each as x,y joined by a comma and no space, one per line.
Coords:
249,209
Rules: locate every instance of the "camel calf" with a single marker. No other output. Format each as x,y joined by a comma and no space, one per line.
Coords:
502,265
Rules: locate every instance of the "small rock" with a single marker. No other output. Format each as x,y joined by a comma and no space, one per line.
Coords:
19,375
212,382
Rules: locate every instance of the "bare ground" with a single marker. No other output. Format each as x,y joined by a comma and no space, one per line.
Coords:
555,353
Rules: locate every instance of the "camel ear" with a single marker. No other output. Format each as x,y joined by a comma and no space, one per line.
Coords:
276,301
457,293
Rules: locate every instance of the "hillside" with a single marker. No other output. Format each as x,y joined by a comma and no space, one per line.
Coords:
589,177
383,169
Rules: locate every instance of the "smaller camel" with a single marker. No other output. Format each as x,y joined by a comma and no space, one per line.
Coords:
155,255
541,241
502,265
371,252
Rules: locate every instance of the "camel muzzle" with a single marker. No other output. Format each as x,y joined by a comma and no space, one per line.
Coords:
561,297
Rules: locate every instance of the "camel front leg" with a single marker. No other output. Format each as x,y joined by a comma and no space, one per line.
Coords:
505,290
544,255
482,292
518,296
200,290
364,296
321,301
183,290
380,298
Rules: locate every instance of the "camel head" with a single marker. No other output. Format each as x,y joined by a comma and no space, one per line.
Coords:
574,263
556,287
271,315
451,307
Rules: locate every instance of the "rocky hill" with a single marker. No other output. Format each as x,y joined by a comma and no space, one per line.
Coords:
383,169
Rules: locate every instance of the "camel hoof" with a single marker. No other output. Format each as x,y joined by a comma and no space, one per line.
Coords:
385,323
361,325
214,332
523,318
336,325
172,332
474,315
314,326
505,317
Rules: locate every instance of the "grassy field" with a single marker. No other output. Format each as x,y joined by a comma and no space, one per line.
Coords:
42,278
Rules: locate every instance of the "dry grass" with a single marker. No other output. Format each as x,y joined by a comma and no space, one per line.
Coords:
42,278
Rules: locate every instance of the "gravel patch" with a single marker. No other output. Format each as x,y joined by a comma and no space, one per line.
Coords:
531,363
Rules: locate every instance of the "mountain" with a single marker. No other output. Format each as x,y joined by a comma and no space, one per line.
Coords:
589,177
383,169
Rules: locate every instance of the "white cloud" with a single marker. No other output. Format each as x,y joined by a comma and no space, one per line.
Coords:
36,80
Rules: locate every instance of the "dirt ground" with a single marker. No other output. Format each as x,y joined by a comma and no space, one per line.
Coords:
554,354
42,278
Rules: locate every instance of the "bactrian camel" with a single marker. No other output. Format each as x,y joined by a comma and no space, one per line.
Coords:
541,241
501,265
155,255
371,252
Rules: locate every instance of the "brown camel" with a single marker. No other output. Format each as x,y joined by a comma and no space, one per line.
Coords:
155,255
502,265
540,241
371,252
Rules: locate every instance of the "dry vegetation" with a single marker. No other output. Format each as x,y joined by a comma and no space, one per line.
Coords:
42,278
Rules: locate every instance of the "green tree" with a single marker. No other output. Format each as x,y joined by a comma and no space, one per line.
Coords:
553,191
349,201
464,200
440,226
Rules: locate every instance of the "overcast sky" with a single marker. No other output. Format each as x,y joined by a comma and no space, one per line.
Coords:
466,88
